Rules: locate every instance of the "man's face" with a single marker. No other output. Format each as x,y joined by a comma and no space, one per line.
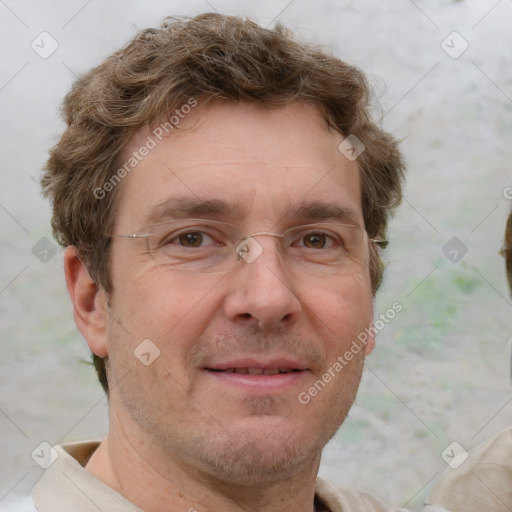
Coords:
198,402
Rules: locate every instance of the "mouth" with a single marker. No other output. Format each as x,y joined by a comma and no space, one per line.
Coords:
252,375
256,371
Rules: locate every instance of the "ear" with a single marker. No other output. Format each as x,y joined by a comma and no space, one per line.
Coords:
370,341
89,303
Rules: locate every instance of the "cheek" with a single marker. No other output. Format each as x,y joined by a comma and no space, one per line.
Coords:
342,312
171,311
164,299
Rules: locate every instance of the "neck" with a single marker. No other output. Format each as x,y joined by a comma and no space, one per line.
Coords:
156,481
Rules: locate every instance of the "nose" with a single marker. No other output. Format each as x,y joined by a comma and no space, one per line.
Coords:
262,291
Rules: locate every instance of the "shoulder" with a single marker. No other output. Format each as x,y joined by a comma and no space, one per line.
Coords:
349,500
482,482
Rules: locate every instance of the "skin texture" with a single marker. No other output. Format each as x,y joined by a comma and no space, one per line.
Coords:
180,436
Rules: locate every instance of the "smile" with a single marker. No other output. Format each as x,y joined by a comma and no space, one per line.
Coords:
256,371
259,376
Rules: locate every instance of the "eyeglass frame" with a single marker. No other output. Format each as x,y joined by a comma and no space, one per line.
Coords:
382,244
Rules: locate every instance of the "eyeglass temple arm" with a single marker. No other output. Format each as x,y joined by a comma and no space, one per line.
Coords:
143,235
380,243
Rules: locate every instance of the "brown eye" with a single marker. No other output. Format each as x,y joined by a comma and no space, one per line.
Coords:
315,241
191,239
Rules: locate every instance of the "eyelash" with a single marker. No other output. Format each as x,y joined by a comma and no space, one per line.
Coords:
331,239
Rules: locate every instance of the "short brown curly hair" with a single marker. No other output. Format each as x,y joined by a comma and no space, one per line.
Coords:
208,56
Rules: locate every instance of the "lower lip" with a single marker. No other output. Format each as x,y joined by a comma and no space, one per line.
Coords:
274,383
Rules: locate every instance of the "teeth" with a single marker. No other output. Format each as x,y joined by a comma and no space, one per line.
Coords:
258,371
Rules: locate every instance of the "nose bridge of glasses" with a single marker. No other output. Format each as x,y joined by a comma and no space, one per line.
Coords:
249,248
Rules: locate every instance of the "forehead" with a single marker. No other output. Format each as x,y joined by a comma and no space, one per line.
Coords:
262,162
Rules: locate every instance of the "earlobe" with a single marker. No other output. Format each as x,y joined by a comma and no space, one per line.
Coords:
370,343
89,303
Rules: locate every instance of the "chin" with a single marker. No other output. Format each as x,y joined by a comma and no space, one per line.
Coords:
254,463
254,457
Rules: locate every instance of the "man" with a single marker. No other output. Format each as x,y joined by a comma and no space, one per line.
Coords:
222,195
484,480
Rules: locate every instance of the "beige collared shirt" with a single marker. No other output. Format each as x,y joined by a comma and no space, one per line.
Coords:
67,487
483,483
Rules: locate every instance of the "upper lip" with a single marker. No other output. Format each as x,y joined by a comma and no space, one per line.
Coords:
264,364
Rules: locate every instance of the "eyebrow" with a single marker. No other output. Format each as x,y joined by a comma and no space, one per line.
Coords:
187,207
319,210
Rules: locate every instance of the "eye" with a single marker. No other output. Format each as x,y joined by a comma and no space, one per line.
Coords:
315,240
189,239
